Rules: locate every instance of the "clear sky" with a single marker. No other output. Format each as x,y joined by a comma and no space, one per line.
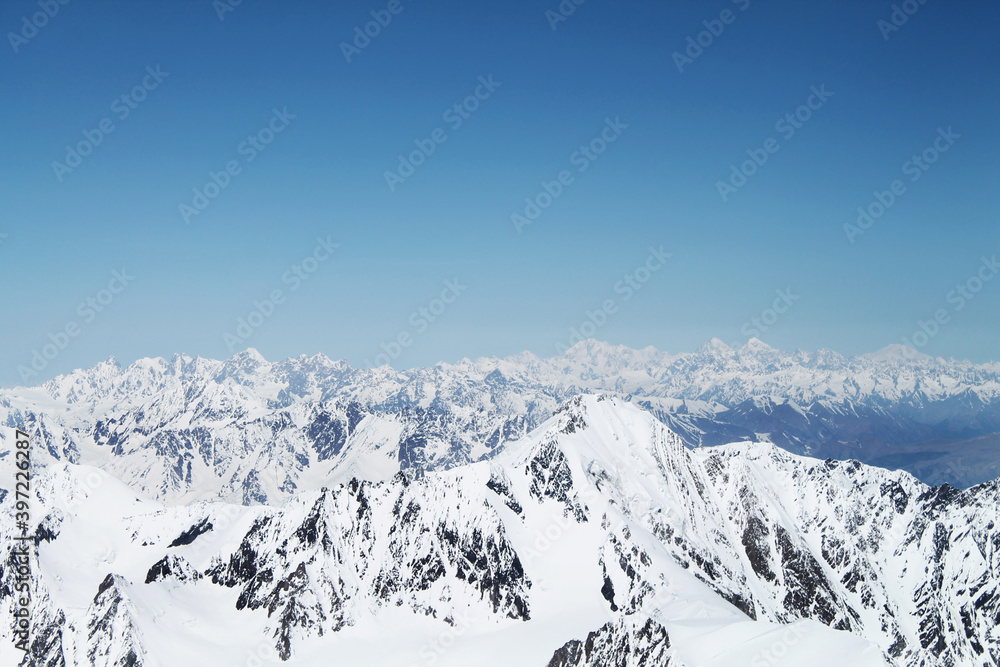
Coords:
309,115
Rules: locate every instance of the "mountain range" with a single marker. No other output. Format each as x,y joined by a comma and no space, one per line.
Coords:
247,431
597,539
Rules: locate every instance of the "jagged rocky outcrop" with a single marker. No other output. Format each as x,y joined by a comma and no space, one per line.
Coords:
417,545
113,638
618,644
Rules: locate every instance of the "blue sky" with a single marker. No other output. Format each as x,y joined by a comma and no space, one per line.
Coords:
341,126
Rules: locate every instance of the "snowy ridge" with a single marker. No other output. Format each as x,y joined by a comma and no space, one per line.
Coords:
597,539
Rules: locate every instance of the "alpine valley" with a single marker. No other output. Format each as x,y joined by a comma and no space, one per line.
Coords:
606,507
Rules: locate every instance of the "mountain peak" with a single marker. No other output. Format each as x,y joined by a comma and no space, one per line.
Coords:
755,345
603,428
243,365
249,358
111,363
250,354
715,346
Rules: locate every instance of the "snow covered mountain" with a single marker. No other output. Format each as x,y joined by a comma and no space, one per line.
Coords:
597,539
249,431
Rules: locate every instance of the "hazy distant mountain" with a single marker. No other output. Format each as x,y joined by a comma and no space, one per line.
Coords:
248,431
